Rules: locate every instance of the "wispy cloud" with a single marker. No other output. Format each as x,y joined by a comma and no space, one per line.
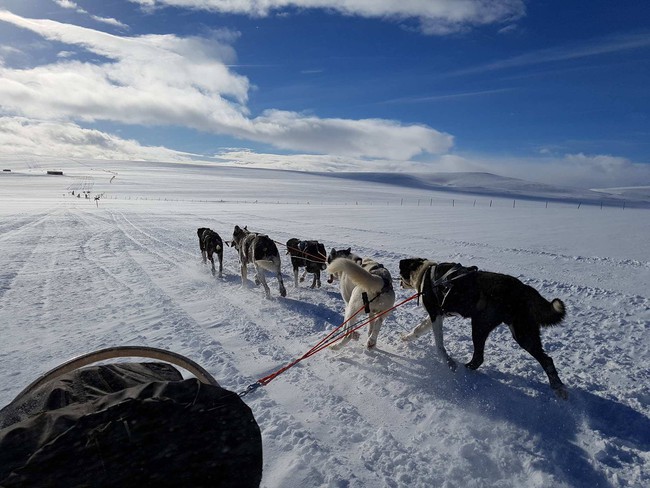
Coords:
68,4
435,17
449,96
170,80
591,48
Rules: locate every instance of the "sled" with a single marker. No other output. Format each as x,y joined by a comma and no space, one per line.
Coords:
128,424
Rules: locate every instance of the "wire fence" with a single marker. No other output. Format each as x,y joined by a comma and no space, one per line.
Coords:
402,202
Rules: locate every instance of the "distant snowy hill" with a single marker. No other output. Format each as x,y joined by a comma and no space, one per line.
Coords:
488,184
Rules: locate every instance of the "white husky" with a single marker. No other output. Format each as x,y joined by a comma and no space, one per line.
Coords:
369,277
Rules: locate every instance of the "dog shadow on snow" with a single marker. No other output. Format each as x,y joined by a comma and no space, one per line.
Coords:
557,424
321,314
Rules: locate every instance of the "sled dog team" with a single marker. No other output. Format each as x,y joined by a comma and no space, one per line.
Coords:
488,299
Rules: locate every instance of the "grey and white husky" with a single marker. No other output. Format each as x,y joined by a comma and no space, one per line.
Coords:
261,251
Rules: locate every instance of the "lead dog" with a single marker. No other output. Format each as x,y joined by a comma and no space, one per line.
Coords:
210,243
260,250
489,299
356,279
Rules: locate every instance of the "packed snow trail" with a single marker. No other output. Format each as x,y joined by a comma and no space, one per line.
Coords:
77,278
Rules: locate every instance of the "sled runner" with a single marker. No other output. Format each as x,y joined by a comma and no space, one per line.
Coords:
129,424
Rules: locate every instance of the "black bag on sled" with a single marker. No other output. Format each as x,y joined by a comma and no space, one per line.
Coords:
129,424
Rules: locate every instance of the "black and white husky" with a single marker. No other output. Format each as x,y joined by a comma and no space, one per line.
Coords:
309,255
489,299
260,250
356,279
210,243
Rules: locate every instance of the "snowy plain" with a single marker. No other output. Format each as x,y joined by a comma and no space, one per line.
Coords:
78,275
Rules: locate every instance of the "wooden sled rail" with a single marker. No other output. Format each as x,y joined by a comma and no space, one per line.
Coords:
123,352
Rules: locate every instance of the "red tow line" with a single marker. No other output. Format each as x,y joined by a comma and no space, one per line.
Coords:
324,343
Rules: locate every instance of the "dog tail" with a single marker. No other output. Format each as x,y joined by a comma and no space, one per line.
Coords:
550,313
357,274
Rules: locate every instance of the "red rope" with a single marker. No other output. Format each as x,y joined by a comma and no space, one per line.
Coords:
329,340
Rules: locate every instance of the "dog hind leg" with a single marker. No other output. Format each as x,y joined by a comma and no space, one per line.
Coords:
531,342
340,344
283,290
346,330
261,278
480,331
373,331
244,274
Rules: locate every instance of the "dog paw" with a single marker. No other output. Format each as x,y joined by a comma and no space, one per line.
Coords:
561,392
472,365
452,364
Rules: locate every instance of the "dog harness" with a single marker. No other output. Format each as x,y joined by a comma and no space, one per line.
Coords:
388,285
441,286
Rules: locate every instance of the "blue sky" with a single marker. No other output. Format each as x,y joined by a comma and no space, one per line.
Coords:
550,91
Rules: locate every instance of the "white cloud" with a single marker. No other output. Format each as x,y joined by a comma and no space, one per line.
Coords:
69,5
23,137
169,80
436,17
110,21
373,138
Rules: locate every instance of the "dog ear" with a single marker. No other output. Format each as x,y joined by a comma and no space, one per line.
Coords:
348,250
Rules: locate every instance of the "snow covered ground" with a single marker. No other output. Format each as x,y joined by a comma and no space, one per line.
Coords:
78,275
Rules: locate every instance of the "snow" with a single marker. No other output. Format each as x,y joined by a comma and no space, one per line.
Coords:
76,276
